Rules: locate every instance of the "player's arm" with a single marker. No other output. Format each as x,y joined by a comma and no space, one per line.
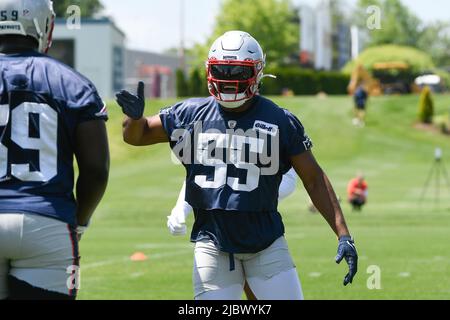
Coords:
324,199
144,132
321,192
138,130
92,154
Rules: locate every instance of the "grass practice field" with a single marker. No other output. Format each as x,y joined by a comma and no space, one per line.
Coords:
409,242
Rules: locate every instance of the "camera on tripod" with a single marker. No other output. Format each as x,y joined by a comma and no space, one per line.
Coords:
438,154
437,171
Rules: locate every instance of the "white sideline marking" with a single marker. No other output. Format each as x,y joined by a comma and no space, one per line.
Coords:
102,263
315,274
404,275
151,257
163,245
137,275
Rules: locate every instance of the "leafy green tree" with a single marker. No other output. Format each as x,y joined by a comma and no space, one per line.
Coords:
398,24
435,39
274,23
401,27
197,83
88,7
182,85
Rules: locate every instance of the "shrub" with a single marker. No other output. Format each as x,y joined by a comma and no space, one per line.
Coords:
182,85
301,82
333,83
304,82
289,79
426,106
197,83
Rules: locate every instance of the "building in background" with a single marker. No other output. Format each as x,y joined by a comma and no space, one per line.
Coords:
325,44
97,50
324,34
316,36
158,71
307,38
355,42
342,42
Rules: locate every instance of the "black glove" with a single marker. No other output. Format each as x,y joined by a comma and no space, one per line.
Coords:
347,250
133,106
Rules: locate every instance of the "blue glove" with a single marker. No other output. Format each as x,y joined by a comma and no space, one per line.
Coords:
347,250
133,106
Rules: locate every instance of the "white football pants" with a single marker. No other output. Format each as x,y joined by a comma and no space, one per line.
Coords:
40,251
271,273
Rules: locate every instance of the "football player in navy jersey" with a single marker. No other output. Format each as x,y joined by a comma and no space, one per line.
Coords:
236,145
48,114
176,222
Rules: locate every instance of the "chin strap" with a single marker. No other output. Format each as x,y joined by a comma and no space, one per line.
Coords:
269,76
232,105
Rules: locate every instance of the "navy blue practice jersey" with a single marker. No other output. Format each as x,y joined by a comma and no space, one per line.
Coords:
42,102
235,163
360,97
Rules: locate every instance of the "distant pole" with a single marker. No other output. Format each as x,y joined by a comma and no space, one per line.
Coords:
355,42
182,54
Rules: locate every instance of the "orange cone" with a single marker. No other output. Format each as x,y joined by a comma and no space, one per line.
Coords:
138,256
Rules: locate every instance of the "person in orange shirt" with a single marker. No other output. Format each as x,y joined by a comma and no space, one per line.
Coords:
357,192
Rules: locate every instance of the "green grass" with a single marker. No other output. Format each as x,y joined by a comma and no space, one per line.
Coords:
408,241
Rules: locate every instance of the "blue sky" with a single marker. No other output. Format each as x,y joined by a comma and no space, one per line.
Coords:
153,25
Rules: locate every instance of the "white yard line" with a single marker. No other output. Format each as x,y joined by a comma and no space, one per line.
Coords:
137,275
404,275
151,256
314,274
163,245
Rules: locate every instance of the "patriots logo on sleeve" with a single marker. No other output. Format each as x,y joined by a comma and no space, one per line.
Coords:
166,110
103,112
307,142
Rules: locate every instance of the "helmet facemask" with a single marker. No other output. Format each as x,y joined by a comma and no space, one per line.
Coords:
235,69
47,41
232,82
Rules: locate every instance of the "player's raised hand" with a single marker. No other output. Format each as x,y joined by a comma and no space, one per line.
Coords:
132,105
348,251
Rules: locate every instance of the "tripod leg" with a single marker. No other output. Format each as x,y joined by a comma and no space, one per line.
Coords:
438,185
427,183
444,170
